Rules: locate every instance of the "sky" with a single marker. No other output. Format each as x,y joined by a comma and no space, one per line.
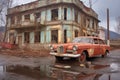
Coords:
100,7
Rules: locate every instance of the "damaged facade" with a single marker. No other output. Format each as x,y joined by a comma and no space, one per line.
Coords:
50,21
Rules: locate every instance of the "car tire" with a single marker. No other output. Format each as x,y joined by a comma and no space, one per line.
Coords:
83,57
105,54
59,58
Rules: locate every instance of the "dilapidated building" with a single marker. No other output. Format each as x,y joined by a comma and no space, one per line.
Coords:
50,21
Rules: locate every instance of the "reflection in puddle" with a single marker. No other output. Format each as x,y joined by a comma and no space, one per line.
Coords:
1,69
96,67
33,72
114,67
40,72
70,75
58,72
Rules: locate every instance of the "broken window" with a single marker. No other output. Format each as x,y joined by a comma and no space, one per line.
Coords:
54,35
55,14
18,19
26,37
38,16
88,23
93,24
27,17
37,36
65,13
76,33
76,16
65,36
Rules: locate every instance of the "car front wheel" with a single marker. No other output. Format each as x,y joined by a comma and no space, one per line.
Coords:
82,58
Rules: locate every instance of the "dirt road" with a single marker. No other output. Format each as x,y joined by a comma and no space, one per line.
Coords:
46,68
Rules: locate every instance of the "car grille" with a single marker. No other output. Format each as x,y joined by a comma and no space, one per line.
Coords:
60,49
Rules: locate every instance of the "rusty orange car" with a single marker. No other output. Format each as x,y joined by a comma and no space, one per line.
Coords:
81,48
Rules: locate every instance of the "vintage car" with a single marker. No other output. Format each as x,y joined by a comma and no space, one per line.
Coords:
81,48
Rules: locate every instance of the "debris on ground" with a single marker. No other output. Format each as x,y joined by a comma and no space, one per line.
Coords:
25,53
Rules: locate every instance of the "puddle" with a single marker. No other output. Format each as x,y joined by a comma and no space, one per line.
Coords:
28,73
57,72
114,67
96,67
2,69
112,76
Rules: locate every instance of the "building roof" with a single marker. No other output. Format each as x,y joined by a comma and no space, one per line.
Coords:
43,3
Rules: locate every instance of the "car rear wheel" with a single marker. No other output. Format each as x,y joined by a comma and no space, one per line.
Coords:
83,58
59,58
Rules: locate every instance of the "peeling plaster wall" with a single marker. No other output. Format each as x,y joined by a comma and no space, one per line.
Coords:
31,37
69,13
43,17
48,15
42,36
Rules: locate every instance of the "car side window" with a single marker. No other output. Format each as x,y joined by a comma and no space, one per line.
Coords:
101,42
96,41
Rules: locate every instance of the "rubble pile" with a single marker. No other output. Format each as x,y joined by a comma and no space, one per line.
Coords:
25,53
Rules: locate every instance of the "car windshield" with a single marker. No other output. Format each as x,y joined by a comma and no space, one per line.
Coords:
82,40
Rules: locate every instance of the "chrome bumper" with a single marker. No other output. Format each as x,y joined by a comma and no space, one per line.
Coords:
65,55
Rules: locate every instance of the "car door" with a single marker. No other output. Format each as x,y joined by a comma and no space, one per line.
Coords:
96,47
102,46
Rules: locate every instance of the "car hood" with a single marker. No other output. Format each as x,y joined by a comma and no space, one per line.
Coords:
70,45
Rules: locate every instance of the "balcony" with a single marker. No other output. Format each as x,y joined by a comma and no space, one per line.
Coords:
26,24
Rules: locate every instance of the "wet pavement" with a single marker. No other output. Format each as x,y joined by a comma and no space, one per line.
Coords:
47,68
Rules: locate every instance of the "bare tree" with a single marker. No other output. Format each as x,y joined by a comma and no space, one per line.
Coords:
117,28
4,5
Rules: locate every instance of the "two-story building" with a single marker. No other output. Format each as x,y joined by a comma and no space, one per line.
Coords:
50,21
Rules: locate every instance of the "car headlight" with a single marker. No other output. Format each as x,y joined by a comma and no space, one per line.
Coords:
75,48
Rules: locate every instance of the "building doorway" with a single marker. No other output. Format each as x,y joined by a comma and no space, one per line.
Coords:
54,36
65,36
20,41
12,38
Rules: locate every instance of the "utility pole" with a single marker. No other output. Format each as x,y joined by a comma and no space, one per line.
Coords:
108,32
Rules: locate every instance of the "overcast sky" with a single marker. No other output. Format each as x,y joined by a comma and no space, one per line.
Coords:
100,7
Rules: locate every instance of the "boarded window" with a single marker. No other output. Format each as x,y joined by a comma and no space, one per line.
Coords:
76,33
26,37
37,36
76,16
27,17
65,13
54,35
55,14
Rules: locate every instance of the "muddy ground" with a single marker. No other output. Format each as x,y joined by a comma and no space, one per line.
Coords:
47,68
